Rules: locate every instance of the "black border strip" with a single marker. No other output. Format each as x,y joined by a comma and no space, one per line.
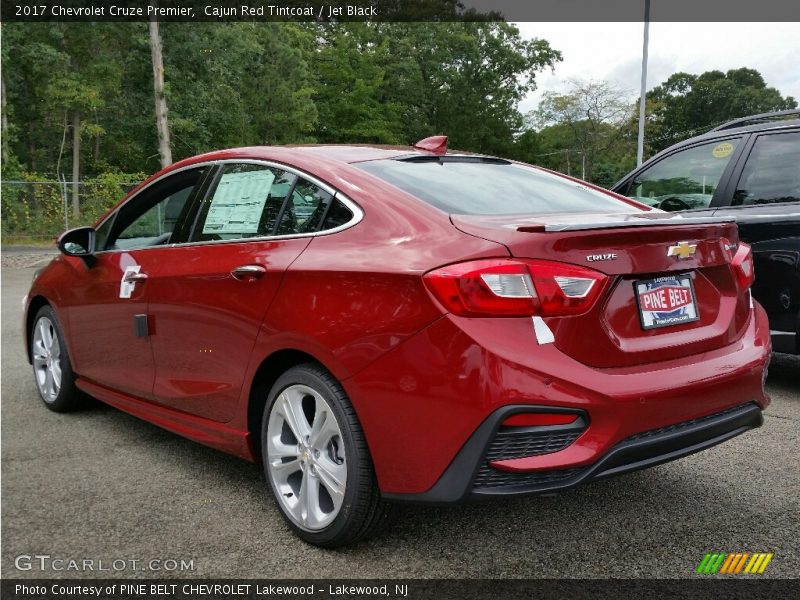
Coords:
599,11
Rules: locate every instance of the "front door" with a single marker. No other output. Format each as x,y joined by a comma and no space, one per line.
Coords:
108,304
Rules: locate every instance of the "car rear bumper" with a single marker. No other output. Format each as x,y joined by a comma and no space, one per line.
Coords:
469,476
430,408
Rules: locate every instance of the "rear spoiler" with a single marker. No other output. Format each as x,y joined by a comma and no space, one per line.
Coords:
633,221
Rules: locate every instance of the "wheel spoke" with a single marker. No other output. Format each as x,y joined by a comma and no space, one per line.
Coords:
48,383
55,348
282,469
333,477
313,512
47,337
56,369
324,429
302,498
294,417
39,350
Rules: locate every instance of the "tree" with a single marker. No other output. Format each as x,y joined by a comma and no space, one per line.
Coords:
686,105
587,122
162,123
462,79
350,80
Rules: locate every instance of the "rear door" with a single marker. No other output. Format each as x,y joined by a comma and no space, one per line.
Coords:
208,298
764,198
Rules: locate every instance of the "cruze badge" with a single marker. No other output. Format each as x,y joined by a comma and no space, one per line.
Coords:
682,250
596,257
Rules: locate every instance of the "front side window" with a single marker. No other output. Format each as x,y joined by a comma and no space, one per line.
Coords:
478,186
685,180
152,217
772,172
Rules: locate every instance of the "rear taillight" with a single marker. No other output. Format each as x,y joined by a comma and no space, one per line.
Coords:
515,288
742,264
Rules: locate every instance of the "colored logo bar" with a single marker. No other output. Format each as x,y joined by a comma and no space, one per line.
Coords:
734,563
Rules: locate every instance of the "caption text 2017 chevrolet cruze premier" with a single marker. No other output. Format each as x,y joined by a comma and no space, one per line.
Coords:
387,324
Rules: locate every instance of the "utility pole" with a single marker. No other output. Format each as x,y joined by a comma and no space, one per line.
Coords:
643,92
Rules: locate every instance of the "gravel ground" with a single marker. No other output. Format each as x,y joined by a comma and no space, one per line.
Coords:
102,485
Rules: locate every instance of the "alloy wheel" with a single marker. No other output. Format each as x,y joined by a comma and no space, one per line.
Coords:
306,457
47,359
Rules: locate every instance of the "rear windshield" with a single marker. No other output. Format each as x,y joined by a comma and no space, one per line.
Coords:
494,187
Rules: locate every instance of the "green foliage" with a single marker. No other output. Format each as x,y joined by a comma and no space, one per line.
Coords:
239,84
686,105
584,128
33,206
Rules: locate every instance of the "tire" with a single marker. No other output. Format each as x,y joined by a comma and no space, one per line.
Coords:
52,370
305,460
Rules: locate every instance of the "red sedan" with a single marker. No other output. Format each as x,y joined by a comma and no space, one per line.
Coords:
388,324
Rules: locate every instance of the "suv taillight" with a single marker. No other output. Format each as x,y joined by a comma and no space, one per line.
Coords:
515,288
742,264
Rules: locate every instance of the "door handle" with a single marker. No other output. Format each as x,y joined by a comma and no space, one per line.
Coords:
131,277
248,272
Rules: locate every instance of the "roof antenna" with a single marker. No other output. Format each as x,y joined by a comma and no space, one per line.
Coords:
437,144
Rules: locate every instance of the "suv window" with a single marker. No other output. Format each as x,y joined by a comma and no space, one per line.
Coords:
772,172
246,202
151,218
684,180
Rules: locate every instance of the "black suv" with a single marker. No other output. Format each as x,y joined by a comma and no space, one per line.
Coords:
748,169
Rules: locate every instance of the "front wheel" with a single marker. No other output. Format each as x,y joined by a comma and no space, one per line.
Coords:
317,462
52,370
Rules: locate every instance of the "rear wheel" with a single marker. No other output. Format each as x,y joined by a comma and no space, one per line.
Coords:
317,462
52,370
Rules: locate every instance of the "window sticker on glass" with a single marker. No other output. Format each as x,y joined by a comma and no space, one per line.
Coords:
238,202
722,150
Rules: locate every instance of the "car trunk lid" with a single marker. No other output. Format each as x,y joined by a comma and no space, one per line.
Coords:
651,259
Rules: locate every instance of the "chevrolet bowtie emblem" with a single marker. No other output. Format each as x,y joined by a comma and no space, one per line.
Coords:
682,250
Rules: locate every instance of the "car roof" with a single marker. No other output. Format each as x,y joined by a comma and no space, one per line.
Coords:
756,127
303,153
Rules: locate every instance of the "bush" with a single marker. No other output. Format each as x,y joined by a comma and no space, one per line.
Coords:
33,206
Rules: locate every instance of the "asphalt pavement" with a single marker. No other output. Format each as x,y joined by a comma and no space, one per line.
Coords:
103,486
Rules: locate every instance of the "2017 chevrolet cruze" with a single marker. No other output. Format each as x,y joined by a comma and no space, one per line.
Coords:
384,324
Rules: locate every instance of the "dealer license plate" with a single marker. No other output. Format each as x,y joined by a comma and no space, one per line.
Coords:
666,301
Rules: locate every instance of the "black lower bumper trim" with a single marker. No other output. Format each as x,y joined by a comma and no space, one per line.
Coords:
639,451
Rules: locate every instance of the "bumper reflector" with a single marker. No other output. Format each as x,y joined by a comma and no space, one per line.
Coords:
539,419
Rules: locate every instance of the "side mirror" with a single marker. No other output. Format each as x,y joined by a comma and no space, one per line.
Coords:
78,242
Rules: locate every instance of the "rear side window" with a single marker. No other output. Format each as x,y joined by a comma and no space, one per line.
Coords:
490,187
772,172
684,180
246,202
305,209
338,215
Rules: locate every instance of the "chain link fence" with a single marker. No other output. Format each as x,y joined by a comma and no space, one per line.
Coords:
36,210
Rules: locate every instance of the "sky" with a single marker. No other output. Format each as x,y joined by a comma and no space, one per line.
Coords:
613,52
